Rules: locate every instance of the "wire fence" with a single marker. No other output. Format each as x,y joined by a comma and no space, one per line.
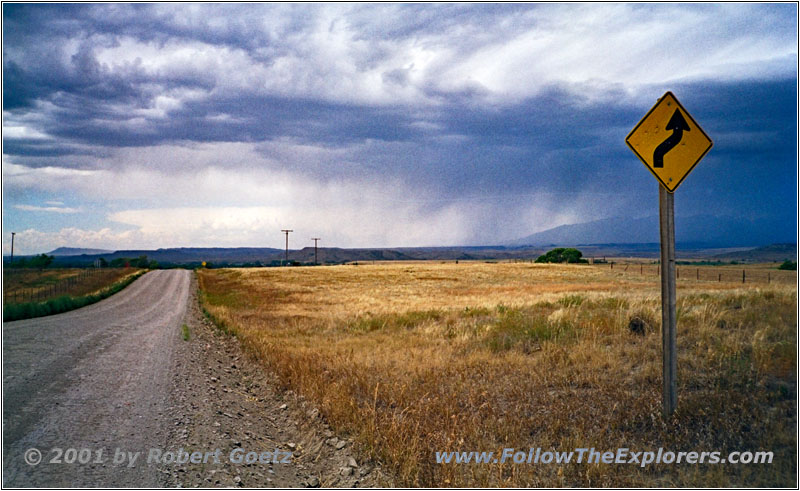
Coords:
39,293
719,274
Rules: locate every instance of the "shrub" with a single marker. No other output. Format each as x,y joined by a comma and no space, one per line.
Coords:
562,255
788,265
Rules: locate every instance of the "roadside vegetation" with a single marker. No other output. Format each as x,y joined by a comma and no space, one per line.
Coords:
57,291
25,285
414,358
185,332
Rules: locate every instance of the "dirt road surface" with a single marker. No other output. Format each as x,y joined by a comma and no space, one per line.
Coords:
119,378
96,378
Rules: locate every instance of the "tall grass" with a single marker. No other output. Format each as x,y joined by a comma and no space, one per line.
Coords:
414,359
65,303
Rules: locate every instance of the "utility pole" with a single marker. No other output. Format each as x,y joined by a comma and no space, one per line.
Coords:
315,239
11,262
287,243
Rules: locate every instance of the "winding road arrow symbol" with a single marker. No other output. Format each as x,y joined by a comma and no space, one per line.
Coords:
678,125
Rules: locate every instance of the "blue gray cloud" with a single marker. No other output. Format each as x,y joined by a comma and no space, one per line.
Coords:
506,119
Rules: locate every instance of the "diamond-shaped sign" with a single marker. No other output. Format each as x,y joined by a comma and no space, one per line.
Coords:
669,142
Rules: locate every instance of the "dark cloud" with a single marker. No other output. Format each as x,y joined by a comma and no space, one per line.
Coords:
556,141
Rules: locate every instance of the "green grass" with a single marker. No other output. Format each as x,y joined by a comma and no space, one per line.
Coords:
185,332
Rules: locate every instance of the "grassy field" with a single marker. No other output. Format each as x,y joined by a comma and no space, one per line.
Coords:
28,294
414,358
25,285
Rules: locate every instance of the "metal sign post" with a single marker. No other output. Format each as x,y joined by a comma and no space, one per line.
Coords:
670,143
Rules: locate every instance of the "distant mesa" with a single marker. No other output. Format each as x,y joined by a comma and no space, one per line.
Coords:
76,251
593,245
700,231
770,253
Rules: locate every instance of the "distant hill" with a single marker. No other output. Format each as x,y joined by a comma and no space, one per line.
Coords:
265,255
75,251
237,256
338,255
770,253
699,230
182,255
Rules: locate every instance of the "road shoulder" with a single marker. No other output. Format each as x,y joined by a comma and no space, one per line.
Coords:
223,399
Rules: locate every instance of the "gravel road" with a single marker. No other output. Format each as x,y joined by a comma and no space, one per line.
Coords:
121,377
224,399
96,378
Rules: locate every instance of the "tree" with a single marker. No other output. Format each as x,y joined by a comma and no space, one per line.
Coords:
41,261
119,262
561,255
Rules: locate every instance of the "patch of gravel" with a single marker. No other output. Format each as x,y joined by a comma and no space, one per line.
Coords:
223,399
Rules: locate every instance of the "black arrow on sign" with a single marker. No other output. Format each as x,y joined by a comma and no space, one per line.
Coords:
678,125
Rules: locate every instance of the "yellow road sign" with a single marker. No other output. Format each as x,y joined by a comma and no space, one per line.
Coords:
669,142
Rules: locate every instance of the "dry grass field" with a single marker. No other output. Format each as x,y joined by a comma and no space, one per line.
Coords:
413,358
26,285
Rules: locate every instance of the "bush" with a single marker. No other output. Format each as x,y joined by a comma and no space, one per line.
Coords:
562,255
788,265
40,262
120,262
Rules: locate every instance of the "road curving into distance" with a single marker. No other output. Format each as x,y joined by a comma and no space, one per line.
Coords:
96,378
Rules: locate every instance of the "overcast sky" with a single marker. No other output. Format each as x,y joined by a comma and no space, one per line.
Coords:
376,125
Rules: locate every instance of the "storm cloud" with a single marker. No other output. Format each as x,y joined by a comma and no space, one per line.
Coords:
380,124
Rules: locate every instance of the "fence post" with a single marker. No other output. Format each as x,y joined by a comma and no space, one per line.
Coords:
698,273
720,277
769,277
742,276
